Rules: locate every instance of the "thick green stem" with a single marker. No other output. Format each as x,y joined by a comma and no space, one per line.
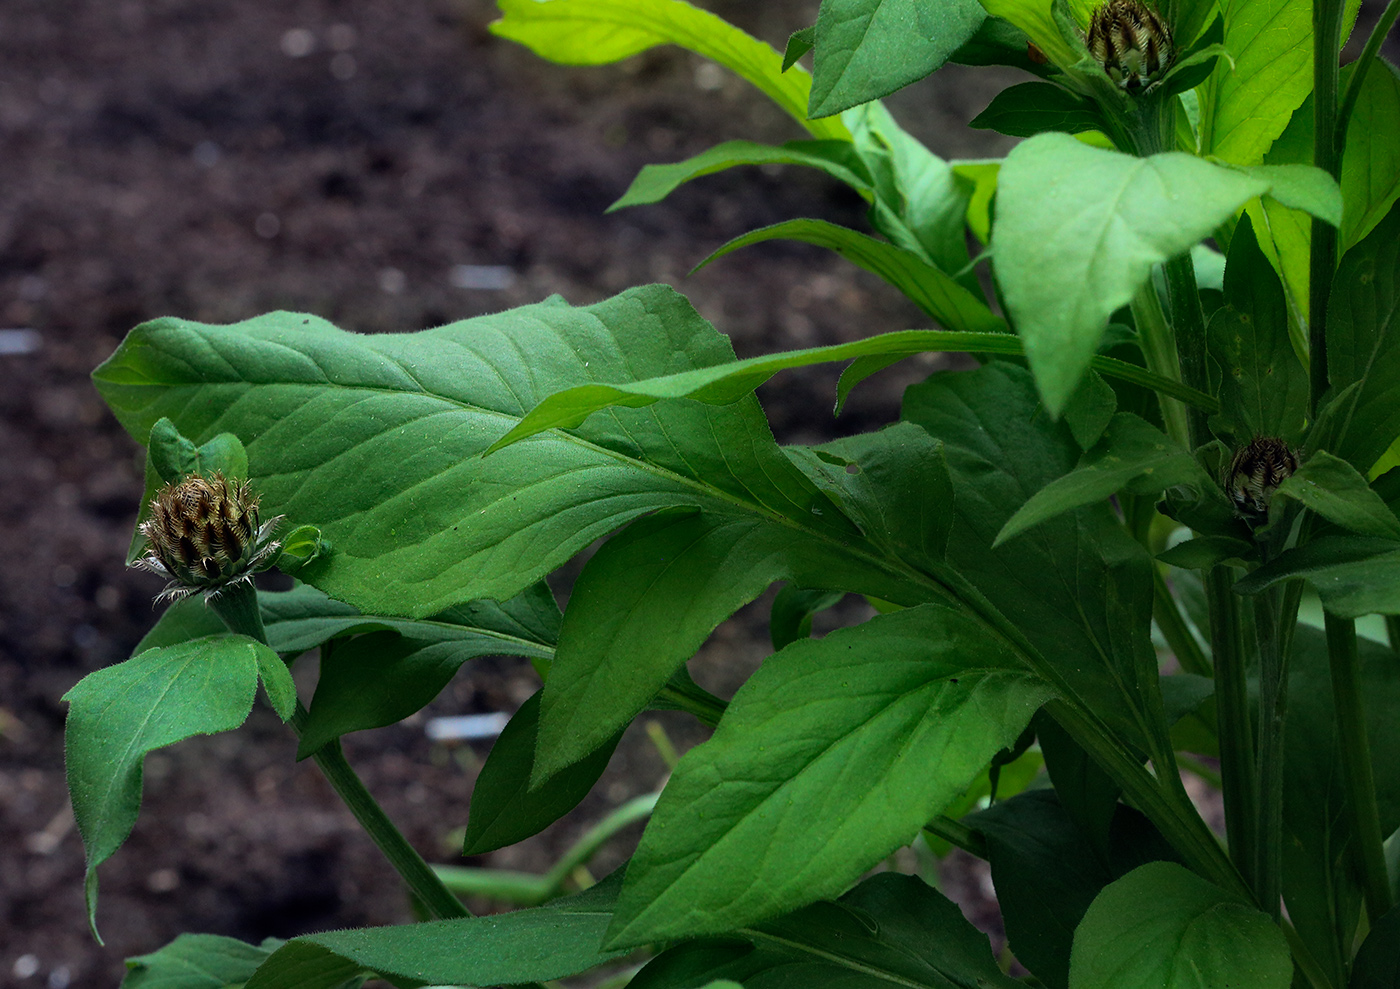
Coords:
1233,721
1189,322
958,834
238,607
1273,709
1363,66
1159,349
1322,262
1357,773
1178,634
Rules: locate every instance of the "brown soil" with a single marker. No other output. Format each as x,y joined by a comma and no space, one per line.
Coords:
171,157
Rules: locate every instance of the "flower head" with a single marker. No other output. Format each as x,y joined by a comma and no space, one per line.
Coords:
1255,472
205,534
1131,41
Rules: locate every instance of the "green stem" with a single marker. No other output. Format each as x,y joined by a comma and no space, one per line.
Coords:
1392,631
1233,721
958,834
1322,261
237,605
1159,349
1189,322
1273,709
1178,634
1356,763
1363,66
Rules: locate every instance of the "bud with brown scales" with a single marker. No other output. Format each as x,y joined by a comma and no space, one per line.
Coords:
1255,472
1131,41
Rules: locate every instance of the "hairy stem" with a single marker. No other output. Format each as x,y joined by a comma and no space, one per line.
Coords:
1357,772
1322,262
1159,349
238,607
1233,721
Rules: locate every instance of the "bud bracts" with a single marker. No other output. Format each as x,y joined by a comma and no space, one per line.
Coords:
1131,41
204,534
1255,473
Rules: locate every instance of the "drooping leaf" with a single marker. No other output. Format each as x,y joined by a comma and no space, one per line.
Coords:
597,32
1354,575
831,756
1363,344
836,158
550,942
1332,487
1031,108
504,809
866,49
197,961
119,714
1163,925
1078,230
1263,387
376,439
891,930
1132,456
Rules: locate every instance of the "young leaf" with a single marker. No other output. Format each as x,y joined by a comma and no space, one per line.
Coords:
837,158
1354,575
376,439
1133,455
793,608
799,44
197,961
1067,255
118,714
891,930
504,809
831,756
1162,925
1331,487
548,942
1363,344
1263,387
596,32
1031,108
866,49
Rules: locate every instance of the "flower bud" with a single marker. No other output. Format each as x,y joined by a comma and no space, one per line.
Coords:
1255,473
204,534
1131,41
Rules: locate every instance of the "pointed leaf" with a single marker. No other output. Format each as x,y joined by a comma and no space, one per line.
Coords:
196,961
1331,487
1371,162
1031,108
831,756
1354,575
1078,230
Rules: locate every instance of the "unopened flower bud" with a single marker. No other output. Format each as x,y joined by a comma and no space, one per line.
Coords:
1255,473
1131,41
204,534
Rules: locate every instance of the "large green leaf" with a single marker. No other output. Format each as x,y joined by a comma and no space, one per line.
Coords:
830,757
1133,455
866,49
1332,487
1354,575
1031,108
1078,230
1363,344
197,961
376,439
1263,387
837,158
891,930
1371,162
548,942
596,32
1161,925
928,287
119,714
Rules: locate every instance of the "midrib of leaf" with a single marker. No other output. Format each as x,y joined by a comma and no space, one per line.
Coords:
461,630
843,961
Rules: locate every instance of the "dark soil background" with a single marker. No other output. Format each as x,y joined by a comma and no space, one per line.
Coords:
377,164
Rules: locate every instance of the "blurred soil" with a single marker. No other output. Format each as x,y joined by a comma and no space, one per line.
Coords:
369,162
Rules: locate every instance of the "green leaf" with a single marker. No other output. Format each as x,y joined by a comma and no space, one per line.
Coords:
1031,108
299,547
983,176
504,809
1371,162
1162,925
376,439
1078,230
597,32
830,757
196,961
1047,871
1090,410
891,930
1302,187
793,608
929,288
836,158
170,457
1377,964
1133,455
548,942
277,682
1363,344
867,49
1205,552
118,714
1263,387
1034,17
1354,575
799,43
1332,487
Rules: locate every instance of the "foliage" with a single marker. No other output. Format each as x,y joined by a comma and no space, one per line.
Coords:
1023,532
